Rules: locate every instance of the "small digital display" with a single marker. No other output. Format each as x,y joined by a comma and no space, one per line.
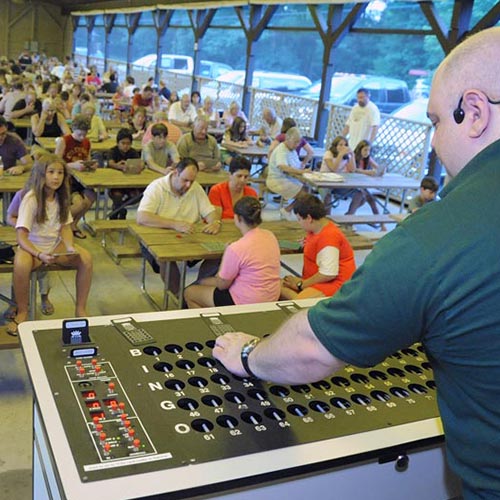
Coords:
84,352
79,323
75,331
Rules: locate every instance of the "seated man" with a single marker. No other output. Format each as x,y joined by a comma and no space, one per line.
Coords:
271,126
328,256
144,99
12,150
200,146
174,132
177,202
160,155
285,160
97,131
182,113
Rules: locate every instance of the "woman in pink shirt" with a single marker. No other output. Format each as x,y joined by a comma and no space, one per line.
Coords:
250,267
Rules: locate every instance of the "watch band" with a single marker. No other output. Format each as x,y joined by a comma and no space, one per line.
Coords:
245,352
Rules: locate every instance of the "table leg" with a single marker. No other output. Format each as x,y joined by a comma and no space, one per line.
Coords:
165,285
182,284
97,209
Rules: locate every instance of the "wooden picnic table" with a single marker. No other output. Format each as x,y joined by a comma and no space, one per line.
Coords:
168,246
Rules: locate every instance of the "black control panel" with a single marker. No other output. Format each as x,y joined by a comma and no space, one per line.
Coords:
168,403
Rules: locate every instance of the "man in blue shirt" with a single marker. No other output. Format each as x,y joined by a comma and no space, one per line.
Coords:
434,279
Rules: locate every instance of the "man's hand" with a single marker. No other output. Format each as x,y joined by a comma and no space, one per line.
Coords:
19,170
228,351
291,282
184,227
212,228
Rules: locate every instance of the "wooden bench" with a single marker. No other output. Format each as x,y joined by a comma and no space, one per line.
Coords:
121,249
363,219
8,341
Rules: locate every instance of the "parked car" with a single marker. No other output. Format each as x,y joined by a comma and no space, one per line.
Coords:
281,82
170,62
213,69
388,94
183,64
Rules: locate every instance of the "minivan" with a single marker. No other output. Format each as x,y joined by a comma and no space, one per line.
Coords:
169,62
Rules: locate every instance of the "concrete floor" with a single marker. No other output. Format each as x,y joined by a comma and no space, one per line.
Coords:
115,290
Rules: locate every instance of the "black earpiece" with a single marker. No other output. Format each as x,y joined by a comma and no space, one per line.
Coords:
458,113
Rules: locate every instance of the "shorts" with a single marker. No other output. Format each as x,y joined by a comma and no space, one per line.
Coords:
222,298
288,188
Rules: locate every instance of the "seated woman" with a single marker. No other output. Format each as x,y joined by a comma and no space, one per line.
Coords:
235,136
250,268
366,165
209,112
285,169
224,195
328,256
288,123
196,99
231,113
49,123
339,158
44,236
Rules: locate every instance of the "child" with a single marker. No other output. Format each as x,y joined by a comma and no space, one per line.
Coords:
119,155
428,191
44,236
160,155
74,149
235,135
328,256
339,158
366,165
43,276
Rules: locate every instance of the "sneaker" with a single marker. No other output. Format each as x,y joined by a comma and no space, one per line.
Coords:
289,216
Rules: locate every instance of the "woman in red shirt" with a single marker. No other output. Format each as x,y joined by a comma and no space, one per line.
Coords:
328,256
224,195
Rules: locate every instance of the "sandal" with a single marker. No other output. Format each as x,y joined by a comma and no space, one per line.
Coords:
12,328
47,308
10,312
78,234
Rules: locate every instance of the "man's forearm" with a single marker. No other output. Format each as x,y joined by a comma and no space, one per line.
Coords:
153,220
292,355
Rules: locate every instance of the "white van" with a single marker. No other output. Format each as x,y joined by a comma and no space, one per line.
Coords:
169,62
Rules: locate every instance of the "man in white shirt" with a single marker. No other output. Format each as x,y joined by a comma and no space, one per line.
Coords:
271,125
177,202
364,120
182,113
